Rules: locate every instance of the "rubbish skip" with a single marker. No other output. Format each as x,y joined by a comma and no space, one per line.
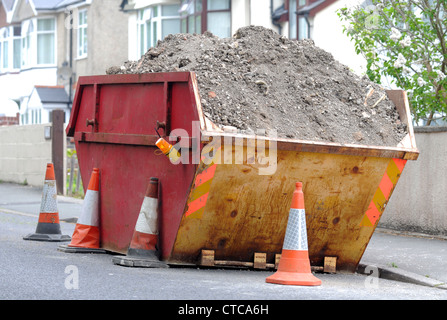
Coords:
225,199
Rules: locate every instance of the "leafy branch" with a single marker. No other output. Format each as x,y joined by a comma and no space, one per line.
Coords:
404,41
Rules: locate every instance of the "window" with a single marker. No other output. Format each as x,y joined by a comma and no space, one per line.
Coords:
38,42
17,46
298,26
155,23
191,14
303,28
27,33
219,18
292,19
212,15
46,49
4,48
82,34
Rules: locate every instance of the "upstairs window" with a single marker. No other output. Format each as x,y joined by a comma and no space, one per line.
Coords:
27,39
38,43
155,23
298,26
82,34
17,46
201,15
4,48
219,18
46,38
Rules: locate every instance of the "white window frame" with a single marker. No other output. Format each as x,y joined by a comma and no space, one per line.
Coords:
29,48
9,39
5,36
14,39
145,18
42,32
82,43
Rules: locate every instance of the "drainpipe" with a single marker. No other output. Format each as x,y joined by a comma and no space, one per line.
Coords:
71,63
276,24
306,16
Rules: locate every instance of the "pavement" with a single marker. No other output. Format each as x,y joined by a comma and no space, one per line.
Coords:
394,255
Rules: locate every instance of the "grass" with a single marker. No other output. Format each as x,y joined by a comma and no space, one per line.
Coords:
80,193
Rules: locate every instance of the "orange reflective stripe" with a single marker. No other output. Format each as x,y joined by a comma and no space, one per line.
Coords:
383,193
205,175
386,185
45,217
372,213
197,204
199,195
400,163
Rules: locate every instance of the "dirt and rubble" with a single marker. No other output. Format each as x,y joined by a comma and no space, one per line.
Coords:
260,80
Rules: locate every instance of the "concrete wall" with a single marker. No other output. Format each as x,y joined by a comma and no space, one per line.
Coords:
419,202
24,154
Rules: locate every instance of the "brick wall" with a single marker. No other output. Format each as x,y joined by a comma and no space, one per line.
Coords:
9,121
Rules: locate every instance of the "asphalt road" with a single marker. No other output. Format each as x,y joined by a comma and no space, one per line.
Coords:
37,270
31,270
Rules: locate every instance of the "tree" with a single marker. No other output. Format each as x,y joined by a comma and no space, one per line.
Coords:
405,41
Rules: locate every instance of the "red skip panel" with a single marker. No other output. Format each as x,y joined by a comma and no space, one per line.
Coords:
123,111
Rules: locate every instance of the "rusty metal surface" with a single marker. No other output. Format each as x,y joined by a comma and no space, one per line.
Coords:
246,212
120,141
228,208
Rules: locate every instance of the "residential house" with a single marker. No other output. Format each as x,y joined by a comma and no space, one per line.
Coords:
43,100
49,43
152,20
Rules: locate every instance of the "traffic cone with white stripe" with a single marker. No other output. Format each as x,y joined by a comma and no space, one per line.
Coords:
86,238
294,264
48,227
143,248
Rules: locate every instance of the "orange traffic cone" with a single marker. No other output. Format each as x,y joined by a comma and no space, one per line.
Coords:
48,227
142,251
85,237
294,264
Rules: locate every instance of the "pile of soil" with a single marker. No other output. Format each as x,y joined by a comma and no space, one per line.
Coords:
259,79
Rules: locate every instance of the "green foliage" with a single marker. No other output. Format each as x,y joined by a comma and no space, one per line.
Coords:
71,152
404,41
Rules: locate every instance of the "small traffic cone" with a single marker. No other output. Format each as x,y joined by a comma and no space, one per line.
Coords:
48,227
85,237
294,264
143,251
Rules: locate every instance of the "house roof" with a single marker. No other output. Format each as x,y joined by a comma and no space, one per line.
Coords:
50,94
20,10
8,4
54,4
314,7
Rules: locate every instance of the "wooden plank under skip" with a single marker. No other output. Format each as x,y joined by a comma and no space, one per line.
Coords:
330,264
260,260
207,258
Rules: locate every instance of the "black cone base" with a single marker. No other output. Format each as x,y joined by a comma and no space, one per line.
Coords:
47,237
